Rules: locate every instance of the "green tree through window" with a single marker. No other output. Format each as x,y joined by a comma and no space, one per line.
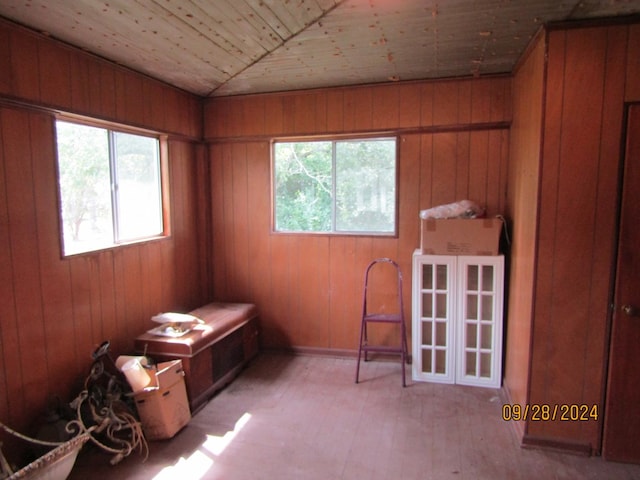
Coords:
345,186
110,187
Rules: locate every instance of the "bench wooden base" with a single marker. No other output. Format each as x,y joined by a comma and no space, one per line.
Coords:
212,354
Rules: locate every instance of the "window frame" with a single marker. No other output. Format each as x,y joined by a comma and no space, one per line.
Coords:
334,139
163,183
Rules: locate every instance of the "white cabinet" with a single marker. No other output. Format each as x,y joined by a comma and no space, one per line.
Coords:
457,319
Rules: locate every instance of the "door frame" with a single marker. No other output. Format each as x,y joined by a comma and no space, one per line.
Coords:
613,308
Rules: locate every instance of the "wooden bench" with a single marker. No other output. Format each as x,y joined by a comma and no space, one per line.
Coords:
212,354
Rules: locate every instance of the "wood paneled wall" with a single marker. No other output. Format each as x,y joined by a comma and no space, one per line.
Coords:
522,209
430,106
38,70
454,144
54,312
584,108
589,74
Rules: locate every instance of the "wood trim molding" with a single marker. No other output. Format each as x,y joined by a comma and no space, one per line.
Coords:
593,22
556,444
517,427
321,352
467,127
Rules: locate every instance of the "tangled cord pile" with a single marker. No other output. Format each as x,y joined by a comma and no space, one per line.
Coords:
119,431
102,413
112,421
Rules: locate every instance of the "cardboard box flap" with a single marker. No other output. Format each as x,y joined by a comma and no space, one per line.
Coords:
165,375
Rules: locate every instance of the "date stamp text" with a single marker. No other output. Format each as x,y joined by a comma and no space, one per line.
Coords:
550,412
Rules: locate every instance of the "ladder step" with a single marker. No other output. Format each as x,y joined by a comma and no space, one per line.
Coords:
383,317
382,349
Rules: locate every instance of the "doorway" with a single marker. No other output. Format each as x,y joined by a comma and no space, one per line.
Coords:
621,436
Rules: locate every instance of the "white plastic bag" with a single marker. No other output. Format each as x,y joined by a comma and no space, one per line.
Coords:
461,209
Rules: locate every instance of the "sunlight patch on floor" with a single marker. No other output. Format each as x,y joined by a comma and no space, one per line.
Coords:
194,467
199,462
216,445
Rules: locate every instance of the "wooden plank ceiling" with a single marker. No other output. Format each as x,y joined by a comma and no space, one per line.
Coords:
230,47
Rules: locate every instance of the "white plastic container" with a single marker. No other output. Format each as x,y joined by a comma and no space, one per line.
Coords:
136,374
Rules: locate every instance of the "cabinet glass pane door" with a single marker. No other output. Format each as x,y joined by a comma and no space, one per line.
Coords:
479,336
457,319
432,315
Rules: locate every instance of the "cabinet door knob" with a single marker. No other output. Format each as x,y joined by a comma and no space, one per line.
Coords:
630,310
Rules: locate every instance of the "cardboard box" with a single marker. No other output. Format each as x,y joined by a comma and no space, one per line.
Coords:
460,236
163,406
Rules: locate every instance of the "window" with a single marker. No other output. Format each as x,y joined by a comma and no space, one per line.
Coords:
339,186
110,187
